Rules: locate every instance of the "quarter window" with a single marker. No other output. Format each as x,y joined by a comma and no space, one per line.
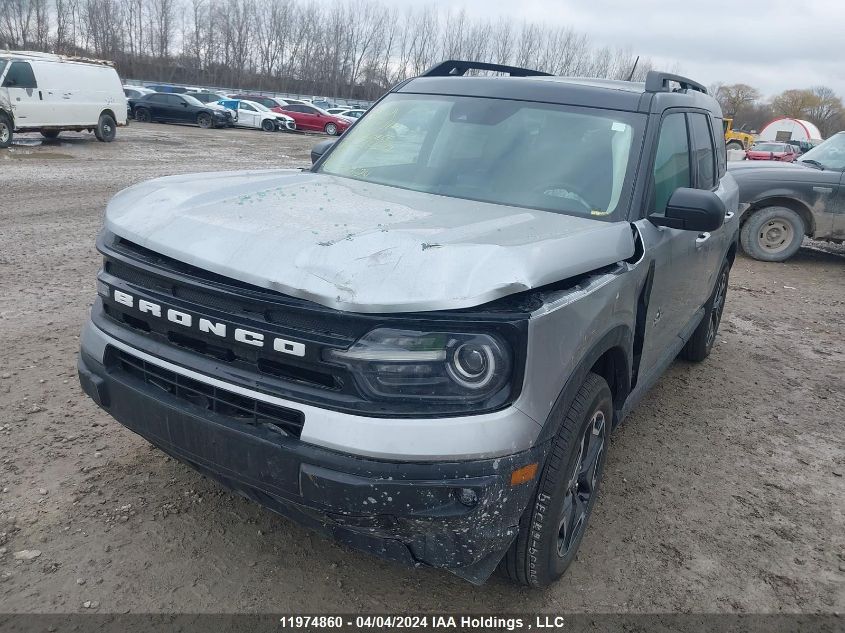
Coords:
20,76
672,161
705,156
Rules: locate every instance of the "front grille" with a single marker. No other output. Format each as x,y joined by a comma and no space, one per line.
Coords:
208,397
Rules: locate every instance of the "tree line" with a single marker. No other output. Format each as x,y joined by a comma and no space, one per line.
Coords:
819,105
341,48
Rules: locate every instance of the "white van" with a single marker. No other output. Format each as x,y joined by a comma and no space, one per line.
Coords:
40,92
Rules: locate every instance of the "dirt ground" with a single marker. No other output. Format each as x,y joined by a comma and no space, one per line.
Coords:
724,490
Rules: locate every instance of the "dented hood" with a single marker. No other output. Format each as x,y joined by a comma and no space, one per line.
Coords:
356,246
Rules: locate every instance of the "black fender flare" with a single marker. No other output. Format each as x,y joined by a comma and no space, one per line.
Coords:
620,337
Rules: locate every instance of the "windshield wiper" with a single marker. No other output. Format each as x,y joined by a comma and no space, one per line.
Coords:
814,162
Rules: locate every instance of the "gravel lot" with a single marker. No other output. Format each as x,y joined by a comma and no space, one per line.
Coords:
724,491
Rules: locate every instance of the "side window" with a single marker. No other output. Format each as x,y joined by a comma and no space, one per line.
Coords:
721,149
246,106
671,163
294,108
308,110
173,100
20,76
702,145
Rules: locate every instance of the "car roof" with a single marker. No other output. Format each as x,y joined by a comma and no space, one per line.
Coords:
576,91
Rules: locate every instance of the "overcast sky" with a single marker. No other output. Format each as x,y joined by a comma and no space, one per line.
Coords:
770,44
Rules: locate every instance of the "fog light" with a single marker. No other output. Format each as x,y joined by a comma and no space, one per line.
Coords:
467,497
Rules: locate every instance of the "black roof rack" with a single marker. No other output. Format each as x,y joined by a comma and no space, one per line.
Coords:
457,68
657,81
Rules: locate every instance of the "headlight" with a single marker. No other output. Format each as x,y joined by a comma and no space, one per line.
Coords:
447,367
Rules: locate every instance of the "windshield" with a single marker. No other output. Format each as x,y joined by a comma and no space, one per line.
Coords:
556,158
192,100
830,154
768,147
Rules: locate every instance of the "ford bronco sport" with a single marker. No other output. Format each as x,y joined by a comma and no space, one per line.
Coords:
420,345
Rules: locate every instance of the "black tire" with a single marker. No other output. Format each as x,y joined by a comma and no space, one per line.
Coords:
735,145
772,234
331,129
106,128
50,133
701,342
268,126
547,543
7,130
143,115
204,120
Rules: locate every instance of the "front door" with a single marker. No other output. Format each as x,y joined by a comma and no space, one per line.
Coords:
678,257
248,116
27,102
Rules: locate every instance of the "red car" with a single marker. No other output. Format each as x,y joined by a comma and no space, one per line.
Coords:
772,151
274,103
309,117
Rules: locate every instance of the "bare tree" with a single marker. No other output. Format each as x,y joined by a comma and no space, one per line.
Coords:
734,97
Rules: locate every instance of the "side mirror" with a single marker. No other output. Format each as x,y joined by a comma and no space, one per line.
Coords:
692,210
321,148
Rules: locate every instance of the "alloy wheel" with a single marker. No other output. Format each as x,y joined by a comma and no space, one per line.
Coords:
582,483
717,308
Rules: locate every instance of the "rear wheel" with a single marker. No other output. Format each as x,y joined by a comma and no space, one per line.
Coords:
331,129
553,525
142,115
735,145
268,126
204,120
50,133
106,129
6,130
701,342
772,234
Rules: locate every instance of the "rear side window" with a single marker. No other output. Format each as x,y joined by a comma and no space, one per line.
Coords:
671,163
703,152
721,149
20,75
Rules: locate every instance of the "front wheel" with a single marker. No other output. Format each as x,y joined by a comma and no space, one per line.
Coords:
106,129
331,129
700,344
204,120
6,130
772,234
735,145
553,525
268,126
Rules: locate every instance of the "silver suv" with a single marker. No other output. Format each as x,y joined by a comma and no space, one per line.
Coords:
420,345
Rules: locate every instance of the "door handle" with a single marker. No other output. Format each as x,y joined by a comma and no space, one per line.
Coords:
702,237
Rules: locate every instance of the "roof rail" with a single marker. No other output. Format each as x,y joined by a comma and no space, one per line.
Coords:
658,81
53,57
457,68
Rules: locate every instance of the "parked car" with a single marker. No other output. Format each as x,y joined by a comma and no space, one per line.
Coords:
323,104
40,92
354,113
178,108
788,201
167,88
136,92
255,115
311,118
767,150
420,348
207,97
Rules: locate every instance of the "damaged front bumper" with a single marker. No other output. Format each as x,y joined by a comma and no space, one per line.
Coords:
458,515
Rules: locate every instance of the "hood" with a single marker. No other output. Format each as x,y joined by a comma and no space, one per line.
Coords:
357,246
281,117
774,171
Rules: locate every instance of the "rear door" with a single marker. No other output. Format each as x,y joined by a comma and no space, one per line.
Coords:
26,100
709,173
